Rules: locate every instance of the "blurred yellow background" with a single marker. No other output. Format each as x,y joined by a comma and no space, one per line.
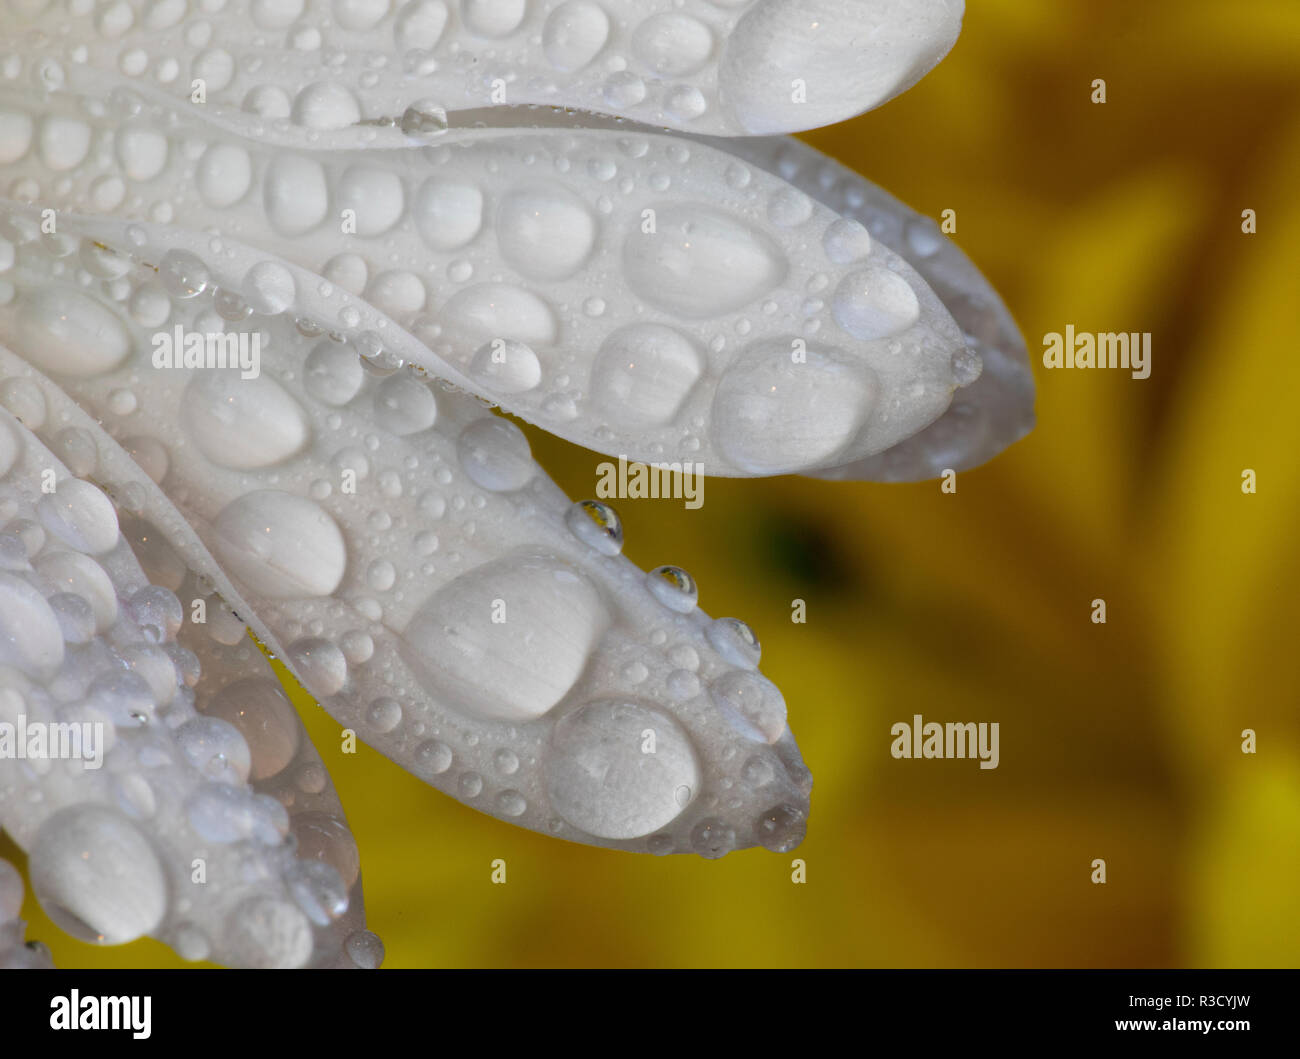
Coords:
1119,741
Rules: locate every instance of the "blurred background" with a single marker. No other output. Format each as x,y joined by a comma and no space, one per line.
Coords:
1119,741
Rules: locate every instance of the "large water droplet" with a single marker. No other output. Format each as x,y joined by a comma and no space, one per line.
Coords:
97,876
405,405
81,516
643,374
504,366
700,262
260,711
281,546
183,274
296,194
875,303
216,748
672,44
545,232
447,213
493,18
243,423
574,34
774,412
30,636
319,664
507,640
500,310
602,779
495,455
333,373
65,332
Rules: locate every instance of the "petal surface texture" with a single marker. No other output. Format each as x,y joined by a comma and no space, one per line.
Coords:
396,544
349,70
134,807
632,292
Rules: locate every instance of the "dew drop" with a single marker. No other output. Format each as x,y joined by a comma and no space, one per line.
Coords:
597,525
601,782
674,588
735,642
515,668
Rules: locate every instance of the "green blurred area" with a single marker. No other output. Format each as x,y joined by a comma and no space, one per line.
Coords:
1119,741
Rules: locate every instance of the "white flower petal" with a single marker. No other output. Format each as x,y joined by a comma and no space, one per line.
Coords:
114,847
513,663
296,71
629,291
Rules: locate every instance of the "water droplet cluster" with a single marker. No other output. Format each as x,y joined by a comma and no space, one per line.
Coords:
306,69
185,806
397,545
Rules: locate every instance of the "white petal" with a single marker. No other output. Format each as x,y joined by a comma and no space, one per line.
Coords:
987,415
735,67
496,628
114,839
628,291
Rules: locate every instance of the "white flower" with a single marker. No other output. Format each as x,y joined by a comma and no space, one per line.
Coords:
263,291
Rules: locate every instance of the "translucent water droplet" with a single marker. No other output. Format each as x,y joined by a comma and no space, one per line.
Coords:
875,303
846,241
81,516
574,34
30,636
319,664
317,890
780,829
735,641
183,274
323,837
711,838
752,704
495,454
545,232
923,236
774,414
424,120
365,949
262,714
701,262
269,288
216,749
97,876
674,588
511,803
506,367
507,640
597,525
286,546
266,933
602,782
243,423
644,373
433,757
384,714
967,366
406,405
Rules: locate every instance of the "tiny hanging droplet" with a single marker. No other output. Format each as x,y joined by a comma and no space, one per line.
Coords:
596,525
